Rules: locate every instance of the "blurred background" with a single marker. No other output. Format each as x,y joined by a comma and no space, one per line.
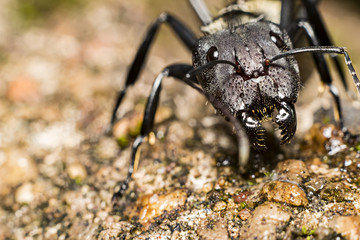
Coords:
78,48
61,64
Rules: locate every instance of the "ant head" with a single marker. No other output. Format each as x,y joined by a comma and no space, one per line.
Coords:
250,82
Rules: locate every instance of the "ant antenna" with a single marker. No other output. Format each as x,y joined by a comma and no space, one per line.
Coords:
321,49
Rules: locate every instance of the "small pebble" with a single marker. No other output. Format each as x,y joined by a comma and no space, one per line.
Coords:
207,187
265,221
151,206
24,194
292,170
23,89
245,214
15,168
128,126
221,205
241,197
76,171
284,192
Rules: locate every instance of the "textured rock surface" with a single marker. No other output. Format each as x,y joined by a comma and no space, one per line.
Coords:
60,70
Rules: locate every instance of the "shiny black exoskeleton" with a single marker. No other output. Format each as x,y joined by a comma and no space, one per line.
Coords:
252,90
244,66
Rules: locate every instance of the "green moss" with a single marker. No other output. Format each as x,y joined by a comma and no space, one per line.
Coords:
251,183
357,147
307,232
78,180
269,174
243,205
123,141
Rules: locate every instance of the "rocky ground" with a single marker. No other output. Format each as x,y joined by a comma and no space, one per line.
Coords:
61,65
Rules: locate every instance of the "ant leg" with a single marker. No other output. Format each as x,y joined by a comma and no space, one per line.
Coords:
323,70
178,71
320,29
182,32
201,10
287,13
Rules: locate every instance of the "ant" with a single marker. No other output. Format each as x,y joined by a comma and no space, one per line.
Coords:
245,66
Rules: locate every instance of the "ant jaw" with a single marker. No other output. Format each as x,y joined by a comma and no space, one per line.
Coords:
285,119
265,113
255,130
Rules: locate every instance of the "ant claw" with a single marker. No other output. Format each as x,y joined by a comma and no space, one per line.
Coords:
118,195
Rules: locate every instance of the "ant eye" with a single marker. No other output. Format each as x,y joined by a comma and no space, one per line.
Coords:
212,54
277,40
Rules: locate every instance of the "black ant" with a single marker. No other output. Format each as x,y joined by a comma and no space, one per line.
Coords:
245,67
